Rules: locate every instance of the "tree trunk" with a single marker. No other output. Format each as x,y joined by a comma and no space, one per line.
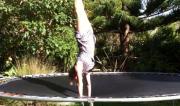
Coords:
124,40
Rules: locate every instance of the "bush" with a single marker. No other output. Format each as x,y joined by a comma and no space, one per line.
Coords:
42,28
158,52
29,66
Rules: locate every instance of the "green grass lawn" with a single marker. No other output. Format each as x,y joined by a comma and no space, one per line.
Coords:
166,103
9,102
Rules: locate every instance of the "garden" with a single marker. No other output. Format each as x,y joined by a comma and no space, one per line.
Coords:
38,37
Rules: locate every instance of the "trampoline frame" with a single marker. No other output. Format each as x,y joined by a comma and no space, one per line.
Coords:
90,100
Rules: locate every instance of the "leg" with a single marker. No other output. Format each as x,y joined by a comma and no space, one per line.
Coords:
79,69
83,24
88,80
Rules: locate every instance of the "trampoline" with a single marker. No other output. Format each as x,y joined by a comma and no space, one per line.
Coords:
106,87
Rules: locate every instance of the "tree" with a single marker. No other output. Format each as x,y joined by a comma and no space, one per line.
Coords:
124,18
116,16
41,28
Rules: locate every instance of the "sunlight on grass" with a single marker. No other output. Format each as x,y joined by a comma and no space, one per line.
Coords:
29,66
10,102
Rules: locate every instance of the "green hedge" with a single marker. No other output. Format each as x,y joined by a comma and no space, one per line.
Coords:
40,28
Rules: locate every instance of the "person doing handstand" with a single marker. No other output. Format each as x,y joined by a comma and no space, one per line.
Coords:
86,43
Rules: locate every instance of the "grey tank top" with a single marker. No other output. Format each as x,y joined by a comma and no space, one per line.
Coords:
86,42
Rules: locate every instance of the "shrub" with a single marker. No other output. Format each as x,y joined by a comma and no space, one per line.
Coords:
29,66
42,28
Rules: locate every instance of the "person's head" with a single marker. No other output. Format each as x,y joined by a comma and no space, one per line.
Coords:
72,74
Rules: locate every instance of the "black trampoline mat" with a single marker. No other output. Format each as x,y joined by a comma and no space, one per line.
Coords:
109,85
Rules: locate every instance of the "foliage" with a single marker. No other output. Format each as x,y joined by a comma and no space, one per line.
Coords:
29,66
42,28
11,102
112,16
158,50
45,29
161,5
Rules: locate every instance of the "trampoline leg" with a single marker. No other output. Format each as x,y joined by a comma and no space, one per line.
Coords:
173,102
91,103
82,103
